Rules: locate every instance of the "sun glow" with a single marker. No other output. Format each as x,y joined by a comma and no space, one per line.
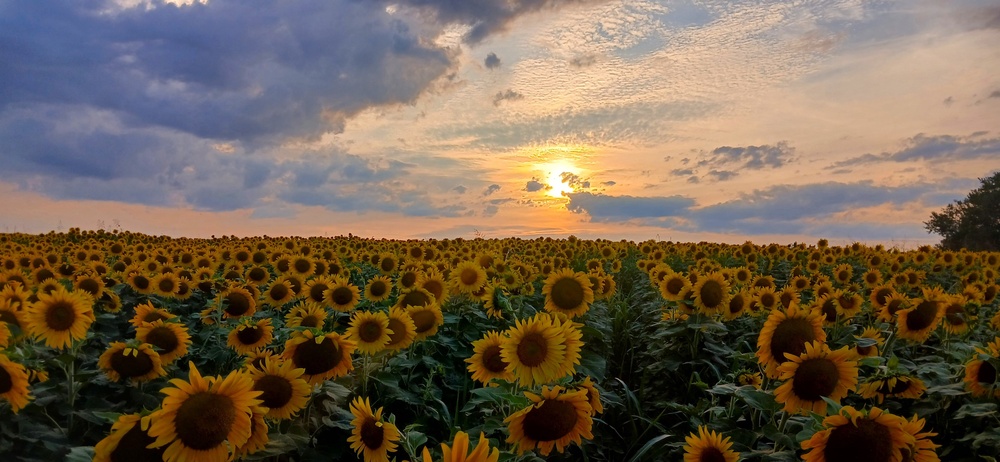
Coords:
555,174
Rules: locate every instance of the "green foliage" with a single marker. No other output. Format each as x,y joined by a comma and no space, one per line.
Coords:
972,223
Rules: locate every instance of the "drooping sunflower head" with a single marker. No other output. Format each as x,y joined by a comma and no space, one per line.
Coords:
787,332
876,435
556,418
956,317
568,292
869,341
817,373
982,377
899,386
918,322
748,377
426,319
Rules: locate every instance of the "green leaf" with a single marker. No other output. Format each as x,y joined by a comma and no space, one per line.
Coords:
80,454
976,410
760,400
638,456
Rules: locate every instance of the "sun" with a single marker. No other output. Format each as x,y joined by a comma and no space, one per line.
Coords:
555,173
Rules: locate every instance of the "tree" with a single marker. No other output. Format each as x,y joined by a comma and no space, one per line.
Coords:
972,223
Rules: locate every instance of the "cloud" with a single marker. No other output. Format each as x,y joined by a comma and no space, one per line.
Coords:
939,148
750,157
786,209
509,95
604,208
995,94
573,180
609,183
222,70
534,185
491,189
460,189
492,61
583,61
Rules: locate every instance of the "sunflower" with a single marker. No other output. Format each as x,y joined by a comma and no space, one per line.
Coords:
956,317
258,434
323,357
817,373
787,332
493,309
894,303
981,372
711,293
556,418
283,390
165,284
708,446
61,317
378,289
201,419
877,435
486,362
123,361
370,330
459,450
171,339
128,440
849,304
434,283
749,378
13,316
93,285
371,437
593,395
409,277
767,299
278,293
306,314
468,277
918,322
4,335
13,383
146,312
568,292
426,319
572,342
237,302
342,295
827,307
869,342
403,330
534,350
249,335
14,292
892,386
140,282
922,449
674,287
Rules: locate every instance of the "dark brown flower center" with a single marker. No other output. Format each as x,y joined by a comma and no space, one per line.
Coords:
278,292
302,265
902,384
415,298
316,292
675,285
378,288
815,378
167,285
372,434
132,447
567,293
257,274
398,331
141,282
310,321
6,381
791,337
370,331
493,361
550,421
435,288
408,279
129,366
89,285
277,390
238,304
424,320
203,420
469,276
869,441
250,335
60,315
317,358
955,315
533,349
711,454
9,317
987,373
342,296
711,294
923,316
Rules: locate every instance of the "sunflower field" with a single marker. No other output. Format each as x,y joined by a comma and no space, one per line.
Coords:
118,346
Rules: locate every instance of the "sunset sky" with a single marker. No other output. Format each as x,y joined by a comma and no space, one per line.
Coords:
725,121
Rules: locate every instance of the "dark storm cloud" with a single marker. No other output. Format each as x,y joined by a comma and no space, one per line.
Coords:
934,149
492,61
485,16
224,70
601,207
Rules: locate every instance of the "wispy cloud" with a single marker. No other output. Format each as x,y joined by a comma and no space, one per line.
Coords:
937,148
